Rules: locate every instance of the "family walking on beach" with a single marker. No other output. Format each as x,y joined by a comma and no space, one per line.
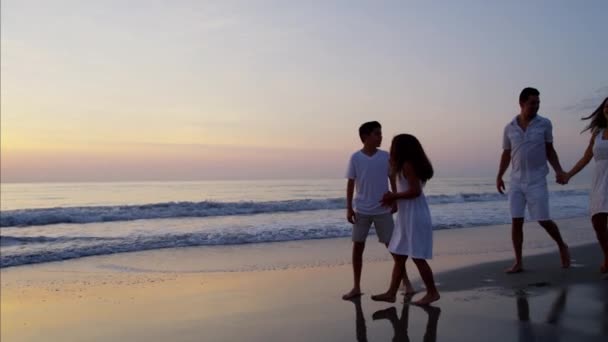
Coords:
527,147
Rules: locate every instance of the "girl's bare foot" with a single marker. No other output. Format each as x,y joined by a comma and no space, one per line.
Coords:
385,297
427,299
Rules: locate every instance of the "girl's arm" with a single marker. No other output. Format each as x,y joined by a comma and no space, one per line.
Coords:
393,180
415,189
584,160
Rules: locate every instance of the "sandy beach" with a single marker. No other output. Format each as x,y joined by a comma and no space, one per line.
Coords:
291,291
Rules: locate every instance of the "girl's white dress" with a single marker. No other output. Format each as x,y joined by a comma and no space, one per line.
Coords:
599,184
413,233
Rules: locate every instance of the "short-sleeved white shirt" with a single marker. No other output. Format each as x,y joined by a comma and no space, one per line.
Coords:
528,149
371,181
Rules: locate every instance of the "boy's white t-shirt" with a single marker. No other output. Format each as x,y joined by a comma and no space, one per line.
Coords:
371,181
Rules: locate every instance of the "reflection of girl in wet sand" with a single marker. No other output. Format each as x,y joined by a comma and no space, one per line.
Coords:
413,233
400,325
598,150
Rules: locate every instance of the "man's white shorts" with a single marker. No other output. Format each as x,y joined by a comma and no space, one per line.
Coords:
536,196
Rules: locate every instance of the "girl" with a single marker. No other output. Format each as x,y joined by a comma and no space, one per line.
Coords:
413,233
597,149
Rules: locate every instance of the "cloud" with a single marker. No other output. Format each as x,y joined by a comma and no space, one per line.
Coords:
590,103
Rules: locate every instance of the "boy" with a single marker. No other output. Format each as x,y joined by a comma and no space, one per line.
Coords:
368,174
528,142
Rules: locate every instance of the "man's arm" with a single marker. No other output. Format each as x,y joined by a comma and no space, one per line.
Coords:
350,190
505,160
554,160
552,155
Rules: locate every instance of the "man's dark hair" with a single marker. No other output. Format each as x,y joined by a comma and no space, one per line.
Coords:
367,129
526,93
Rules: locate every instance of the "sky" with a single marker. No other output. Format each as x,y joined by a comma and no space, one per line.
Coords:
194,90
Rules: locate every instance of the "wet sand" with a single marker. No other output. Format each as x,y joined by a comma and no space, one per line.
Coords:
291,291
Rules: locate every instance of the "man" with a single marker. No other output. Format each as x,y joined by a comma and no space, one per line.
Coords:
528,143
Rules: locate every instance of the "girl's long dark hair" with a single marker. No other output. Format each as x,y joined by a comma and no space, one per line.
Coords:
598,120
406,148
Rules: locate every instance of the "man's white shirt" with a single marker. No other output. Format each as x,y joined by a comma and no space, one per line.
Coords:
528,149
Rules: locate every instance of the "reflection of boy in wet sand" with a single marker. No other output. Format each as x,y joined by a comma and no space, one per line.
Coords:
359,320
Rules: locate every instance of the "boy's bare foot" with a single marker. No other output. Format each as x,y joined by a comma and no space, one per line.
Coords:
428,299
409,289
407,297
564,254
385,297
410,292
516,268
354,293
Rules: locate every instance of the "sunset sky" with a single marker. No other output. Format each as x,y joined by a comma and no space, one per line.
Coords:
188,90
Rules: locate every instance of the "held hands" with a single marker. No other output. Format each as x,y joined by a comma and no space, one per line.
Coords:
562,177
390,200
500,185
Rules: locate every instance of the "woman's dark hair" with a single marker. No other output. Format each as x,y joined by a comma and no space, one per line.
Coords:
406,148
598,120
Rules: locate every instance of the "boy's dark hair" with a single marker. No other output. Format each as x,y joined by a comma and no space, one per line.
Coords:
526,93
598,120
406,148
367,129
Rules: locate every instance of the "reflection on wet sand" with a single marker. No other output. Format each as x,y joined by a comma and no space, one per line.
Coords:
361,328
530,332
399,324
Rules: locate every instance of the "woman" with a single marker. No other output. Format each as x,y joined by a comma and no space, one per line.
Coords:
598,150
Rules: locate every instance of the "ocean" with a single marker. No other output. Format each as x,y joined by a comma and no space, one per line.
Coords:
43,222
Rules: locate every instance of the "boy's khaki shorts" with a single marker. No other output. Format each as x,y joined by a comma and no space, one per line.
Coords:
383,224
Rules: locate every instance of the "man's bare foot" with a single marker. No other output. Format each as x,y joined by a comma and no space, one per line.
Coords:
564,255
385,297
516,268
427,299
352,294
